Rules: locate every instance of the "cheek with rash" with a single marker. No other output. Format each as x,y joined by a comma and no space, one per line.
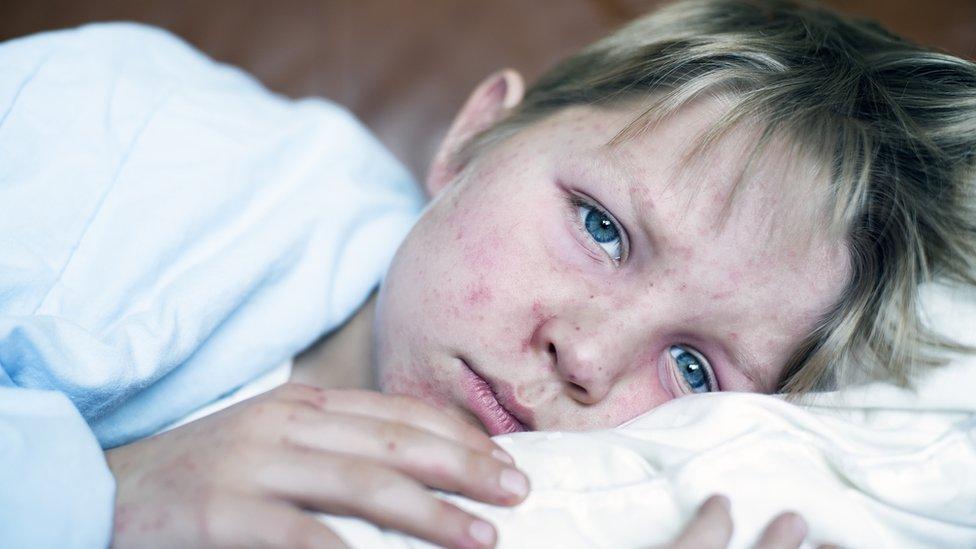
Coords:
642,392
480,254
632,401
478,294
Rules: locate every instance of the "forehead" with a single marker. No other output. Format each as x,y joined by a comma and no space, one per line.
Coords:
746,250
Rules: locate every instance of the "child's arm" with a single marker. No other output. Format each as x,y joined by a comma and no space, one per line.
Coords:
246,475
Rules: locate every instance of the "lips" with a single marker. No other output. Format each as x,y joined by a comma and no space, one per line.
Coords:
483,401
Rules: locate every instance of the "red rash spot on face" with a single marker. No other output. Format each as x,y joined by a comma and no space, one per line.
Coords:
478,295
391,446
479,254
537,311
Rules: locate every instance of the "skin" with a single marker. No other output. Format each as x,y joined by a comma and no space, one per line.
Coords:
583,343
500,272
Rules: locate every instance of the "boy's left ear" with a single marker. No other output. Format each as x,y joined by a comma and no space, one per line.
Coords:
487,104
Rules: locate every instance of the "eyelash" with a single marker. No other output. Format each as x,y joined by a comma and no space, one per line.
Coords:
576,202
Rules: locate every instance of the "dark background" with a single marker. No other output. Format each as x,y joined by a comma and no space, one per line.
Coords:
405,66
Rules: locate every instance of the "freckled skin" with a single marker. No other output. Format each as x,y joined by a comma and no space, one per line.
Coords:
478,295
513,285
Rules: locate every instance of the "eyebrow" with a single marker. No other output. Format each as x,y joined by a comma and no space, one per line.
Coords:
740,358
646,218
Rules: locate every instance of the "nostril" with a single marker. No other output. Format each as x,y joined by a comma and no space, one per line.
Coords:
577,387
573,386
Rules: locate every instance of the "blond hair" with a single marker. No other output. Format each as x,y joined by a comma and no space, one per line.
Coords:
893,124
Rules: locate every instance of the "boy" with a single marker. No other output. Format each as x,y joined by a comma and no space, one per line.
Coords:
623,225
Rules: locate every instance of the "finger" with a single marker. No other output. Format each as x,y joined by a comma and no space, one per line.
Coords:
341,485
427,457
402,409
786,531
710,528
242,521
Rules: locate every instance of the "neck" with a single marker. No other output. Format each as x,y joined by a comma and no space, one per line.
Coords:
341,358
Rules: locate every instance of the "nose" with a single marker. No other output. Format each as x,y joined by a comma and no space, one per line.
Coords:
584,356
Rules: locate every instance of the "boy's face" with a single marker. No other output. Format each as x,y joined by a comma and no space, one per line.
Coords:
580,284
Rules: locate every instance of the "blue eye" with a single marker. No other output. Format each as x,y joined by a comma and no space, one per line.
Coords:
601,228
693,370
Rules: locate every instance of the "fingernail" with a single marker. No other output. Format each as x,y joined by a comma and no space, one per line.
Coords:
717,499
725,502
797,525
501,455
482,533
514,482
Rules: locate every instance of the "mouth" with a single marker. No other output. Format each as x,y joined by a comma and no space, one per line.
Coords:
483,400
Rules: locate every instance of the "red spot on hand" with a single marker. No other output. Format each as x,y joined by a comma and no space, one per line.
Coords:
187,463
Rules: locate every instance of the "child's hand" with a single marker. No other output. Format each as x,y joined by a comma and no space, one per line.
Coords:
246,476
711,528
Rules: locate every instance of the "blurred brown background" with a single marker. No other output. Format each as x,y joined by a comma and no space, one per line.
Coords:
405,66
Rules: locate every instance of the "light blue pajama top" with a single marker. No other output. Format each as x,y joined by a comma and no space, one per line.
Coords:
169,230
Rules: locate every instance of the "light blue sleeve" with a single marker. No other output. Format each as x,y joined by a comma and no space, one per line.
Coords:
169,230
55,488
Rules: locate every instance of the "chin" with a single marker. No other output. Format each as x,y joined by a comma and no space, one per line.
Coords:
424,387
